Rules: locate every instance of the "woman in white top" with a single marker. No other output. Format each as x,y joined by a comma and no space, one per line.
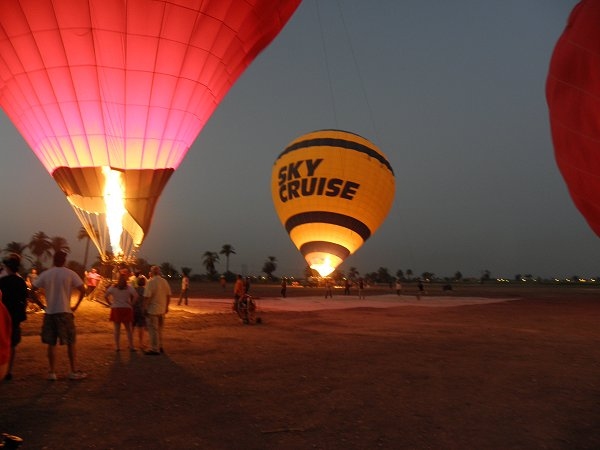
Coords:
121,298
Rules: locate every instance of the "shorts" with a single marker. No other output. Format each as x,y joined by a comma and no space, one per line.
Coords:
121,315
58,327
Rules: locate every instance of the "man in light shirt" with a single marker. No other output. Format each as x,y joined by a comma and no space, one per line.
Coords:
157,295
58,283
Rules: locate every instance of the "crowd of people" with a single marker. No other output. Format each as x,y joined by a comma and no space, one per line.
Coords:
138,304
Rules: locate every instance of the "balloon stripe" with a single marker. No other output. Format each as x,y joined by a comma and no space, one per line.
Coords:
339,143
329,217
325,247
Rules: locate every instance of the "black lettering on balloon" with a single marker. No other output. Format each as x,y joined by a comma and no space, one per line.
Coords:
311,165
321,187
308,186
282,191
333,187
349,190
293,187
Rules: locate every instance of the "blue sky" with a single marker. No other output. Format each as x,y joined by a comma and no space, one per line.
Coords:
451,92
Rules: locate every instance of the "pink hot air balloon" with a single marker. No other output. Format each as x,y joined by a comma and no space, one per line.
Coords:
110,94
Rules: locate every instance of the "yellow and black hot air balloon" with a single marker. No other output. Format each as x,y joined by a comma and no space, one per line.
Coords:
332,189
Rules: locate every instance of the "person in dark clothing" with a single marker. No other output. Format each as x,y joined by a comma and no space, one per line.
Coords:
14,297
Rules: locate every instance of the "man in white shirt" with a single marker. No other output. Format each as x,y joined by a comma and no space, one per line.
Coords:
157,295
58,283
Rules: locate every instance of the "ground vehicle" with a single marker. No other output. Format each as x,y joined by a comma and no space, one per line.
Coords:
245,308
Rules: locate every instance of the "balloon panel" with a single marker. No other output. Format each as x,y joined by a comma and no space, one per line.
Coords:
573,96
124,84
331,189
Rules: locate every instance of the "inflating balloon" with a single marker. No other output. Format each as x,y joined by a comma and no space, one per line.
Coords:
110,94
332,190
573,95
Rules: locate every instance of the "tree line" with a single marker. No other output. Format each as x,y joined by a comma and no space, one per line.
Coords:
40,248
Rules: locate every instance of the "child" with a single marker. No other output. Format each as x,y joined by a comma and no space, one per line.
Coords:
121,309
139,311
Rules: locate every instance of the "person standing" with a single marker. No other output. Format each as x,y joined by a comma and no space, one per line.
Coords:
121,298
92,280
58,283
346,286
361,288
139,311
420,289
398,287
31,276
14,297
157,296
328,288
238,292
283,288
185,286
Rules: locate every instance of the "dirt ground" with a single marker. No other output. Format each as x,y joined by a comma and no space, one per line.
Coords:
389,372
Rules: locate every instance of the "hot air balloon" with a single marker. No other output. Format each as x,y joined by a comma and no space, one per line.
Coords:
573,96
332,190
110,94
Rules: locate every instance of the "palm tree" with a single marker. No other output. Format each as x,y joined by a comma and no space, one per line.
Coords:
383,275
353,274
227,250
168,270
40,246
270,266
209,259
15,247
59,244
83,234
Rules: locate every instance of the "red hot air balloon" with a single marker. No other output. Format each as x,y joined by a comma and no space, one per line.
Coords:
110,94
573,95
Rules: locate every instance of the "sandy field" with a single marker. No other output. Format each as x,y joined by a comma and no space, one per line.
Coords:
506,369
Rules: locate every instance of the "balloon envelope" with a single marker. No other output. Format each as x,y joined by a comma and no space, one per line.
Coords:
110,94
573,96
332,190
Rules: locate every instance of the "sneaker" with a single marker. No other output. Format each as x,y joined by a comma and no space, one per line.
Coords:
51,376
79,375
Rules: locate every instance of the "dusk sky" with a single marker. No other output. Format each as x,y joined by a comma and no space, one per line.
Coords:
451,92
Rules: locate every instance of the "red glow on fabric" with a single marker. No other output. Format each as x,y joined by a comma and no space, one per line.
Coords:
573,96
126,84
